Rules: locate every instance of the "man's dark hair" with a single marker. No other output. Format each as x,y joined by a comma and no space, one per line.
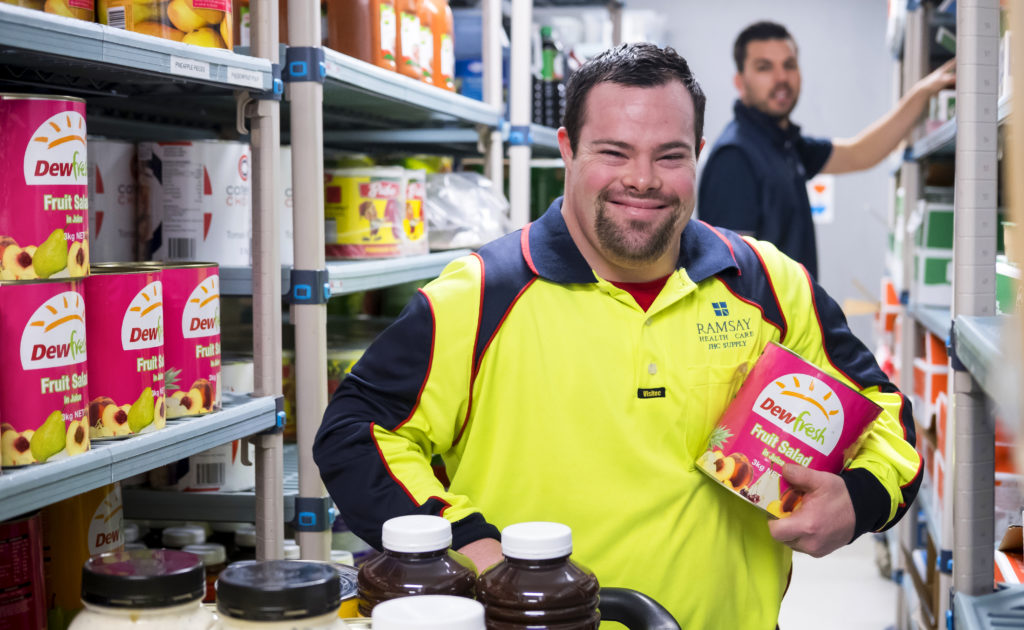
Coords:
756,32
634,65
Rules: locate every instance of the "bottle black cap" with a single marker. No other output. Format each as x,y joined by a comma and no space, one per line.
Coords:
143,578
274,590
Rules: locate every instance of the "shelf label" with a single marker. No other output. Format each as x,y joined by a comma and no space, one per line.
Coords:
190,68
333,68
247,78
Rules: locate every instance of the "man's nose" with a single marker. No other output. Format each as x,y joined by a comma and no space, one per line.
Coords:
641,176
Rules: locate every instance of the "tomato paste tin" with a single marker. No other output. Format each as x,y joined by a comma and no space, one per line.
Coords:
198,22
43,387
112,199
22,594
126,332
170,192
44,223
364,209
787,411
192,338
223,231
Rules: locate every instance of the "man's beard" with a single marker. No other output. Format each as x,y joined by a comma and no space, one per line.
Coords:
638,241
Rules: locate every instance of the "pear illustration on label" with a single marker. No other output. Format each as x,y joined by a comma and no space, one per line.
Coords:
49,438
52,255
201,316
140,415
55,334
56,154
143,323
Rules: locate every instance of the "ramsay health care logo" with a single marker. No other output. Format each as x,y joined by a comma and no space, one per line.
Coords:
201,317
805,407
55,334
143,323
56,152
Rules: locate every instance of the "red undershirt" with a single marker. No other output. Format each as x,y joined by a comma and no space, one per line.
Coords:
643,292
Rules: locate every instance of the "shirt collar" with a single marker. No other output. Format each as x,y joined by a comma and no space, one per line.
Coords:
766,123
552,254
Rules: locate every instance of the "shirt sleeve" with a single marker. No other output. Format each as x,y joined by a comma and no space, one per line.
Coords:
728,195
814,152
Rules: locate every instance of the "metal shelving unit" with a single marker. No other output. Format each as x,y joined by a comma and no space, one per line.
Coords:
352,276
1002,609
942,141
936,319
29,488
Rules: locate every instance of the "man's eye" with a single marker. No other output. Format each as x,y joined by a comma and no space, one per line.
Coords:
673,157
611,153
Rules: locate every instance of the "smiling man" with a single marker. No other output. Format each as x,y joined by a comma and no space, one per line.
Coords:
755,179
574,370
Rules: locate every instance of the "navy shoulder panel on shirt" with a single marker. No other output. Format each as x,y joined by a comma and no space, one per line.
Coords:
505,274
752,283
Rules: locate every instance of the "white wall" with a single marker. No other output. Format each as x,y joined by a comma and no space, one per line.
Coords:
847,79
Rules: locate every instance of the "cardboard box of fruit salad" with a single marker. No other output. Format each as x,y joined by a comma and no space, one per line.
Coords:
786,411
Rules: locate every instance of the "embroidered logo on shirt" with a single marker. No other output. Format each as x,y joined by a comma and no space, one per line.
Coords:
652,392
721,331
721,308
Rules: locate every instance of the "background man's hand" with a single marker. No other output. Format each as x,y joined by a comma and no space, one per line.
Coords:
824,521
484,553
942,77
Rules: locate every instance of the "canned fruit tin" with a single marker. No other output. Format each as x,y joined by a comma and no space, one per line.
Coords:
43,386
80,9
126,366
364,210
198,22
169,193
221,228
192,341
44,228
112,197
22,594
786,411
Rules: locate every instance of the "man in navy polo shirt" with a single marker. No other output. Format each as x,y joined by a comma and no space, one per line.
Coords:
755,179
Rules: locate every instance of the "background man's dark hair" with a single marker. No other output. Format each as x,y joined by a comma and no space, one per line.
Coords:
634,65
756,32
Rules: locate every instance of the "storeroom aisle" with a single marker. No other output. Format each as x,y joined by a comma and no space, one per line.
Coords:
842,591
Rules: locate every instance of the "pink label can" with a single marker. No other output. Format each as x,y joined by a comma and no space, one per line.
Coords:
126,332
43,387
192,338
44,226
787,411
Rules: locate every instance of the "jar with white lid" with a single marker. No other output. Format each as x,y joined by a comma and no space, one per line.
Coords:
144,589
245,543
291,549
279,595
214,558
429,612
179,537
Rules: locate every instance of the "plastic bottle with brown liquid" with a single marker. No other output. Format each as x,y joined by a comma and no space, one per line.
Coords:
416,561
429,21
364,29
407,39
444,47
537,584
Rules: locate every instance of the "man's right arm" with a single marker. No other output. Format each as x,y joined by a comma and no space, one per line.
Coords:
728,195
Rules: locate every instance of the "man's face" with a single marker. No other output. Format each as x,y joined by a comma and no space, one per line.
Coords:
770,81
630,184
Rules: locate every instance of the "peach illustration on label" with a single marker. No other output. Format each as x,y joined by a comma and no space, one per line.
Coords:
16,262
15,446
786,504
734,470
77,440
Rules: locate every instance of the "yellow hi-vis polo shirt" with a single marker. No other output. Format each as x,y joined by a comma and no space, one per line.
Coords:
550,395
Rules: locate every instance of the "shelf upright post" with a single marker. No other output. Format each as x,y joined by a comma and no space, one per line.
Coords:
974,252
306,96
494,160
266,285
520,96
1015,189
915,60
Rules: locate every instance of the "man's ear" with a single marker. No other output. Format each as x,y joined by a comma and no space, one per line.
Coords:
737,81
564,146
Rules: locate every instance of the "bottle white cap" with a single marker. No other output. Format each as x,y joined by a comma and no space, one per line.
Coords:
178,537
209,553
245,535
428,612
416,533
342,556
291,550
538,540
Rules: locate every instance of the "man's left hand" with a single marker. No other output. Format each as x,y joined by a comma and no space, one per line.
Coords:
824,521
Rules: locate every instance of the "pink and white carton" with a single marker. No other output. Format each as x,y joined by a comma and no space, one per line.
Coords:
787,411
